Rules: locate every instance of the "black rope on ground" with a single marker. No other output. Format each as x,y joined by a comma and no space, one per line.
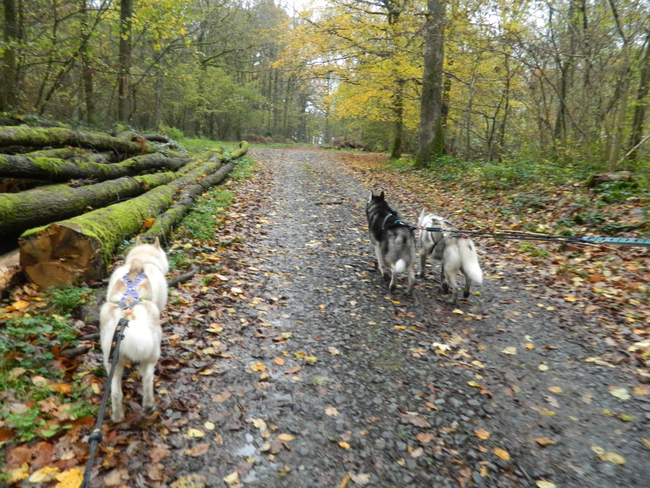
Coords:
97,437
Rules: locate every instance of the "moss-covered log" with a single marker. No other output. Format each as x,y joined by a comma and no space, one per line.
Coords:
167,220
239,152
40,206
74,154
59,137
79,249
64,170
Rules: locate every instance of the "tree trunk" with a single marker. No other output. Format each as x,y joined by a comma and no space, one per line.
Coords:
80,249
40,206
124,64
59,137
398,123
431,136
9,72
62,170
639,109
86,70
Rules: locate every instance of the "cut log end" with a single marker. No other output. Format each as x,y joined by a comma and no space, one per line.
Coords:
59,256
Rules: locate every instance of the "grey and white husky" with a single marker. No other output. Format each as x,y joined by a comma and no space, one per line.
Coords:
456,251
392,239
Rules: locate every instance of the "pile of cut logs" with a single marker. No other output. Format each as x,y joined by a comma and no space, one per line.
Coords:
68,198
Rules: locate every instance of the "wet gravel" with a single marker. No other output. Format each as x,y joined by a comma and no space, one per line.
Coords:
356,386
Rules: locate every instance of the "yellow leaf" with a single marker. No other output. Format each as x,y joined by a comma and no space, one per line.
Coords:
209,425
232,479
482,434
457,311
510,350
645,442
20,305
286,437
543,367
555,389
530,346
344,482
71,478
545,441
570,298
195,433
612,457
474,384
279,361
502,454
545,484
620,393
44,475
344,445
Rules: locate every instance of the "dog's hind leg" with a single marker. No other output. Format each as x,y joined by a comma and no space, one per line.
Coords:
423,262
117,413
411,275
146,371
380,258
468,285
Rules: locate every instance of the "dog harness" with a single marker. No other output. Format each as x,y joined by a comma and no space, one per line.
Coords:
131,291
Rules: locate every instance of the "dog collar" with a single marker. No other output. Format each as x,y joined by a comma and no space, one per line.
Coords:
131,291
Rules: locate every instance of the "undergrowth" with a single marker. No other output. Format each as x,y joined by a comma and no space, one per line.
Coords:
34,329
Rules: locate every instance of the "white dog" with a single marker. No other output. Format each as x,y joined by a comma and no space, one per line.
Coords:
457,252
137,291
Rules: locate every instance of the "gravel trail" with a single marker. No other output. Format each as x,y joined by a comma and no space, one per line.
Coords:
324,379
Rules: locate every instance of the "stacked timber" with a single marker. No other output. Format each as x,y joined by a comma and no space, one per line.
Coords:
68,198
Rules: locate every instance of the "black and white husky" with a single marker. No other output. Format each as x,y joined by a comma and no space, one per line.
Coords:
456,251
136,291
392,239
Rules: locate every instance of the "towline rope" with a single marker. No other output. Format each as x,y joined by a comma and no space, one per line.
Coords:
531,236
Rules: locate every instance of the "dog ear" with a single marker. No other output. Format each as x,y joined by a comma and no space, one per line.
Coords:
138,241
372,195
381,195
157,243
423,213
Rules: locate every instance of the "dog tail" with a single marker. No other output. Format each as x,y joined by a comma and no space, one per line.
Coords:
400,266
469,260
136,268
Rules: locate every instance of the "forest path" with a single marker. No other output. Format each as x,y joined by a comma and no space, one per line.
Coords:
326,380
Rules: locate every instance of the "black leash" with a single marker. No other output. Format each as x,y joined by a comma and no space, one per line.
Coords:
97,437
529,236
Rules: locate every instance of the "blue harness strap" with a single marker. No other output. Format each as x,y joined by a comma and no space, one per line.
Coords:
131,291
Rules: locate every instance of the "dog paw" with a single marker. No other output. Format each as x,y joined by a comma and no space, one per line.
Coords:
150,410
117,417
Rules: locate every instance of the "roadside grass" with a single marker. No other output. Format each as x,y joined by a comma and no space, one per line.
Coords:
199,227
42,393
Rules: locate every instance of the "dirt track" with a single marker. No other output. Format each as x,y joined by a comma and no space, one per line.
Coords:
322,379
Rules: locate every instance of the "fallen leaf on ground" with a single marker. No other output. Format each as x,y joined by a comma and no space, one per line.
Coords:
424,437
286,437
502,454
482,434
232,479
198,450
344,445
510,350
331,411
360,479
414,419
195,433
545,441
619,392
